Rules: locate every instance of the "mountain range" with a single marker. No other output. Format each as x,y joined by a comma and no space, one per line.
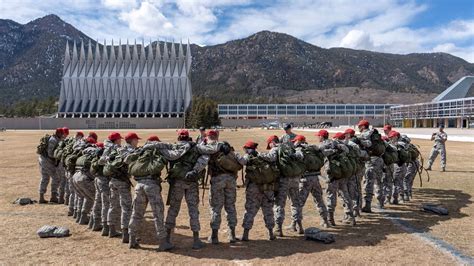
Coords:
264,67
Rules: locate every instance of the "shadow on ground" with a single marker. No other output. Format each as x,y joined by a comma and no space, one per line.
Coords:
370,230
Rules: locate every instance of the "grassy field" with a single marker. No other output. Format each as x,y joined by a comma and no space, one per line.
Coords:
375,240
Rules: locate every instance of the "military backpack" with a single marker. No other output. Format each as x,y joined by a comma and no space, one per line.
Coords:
289,165
313,159
148,162
261,172
390,156
378,145
42,148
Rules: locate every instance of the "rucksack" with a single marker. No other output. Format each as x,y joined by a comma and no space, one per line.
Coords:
354,159
414,152
260,171
289,165
115,167
85,160
70,160
390,156
58,152
183,165
228,162
378,145
147,162
42,148
96,168
313,159
403,155
340,166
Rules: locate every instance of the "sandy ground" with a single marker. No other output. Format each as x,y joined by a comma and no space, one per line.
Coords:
375,240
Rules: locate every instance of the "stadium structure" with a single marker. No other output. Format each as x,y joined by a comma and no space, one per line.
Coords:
451,108
125,81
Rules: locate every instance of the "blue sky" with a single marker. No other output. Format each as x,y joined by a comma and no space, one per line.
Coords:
394,26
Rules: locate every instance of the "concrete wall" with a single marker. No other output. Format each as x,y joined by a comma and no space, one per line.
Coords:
91,123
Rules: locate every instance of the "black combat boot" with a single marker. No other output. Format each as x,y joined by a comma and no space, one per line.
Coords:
54,198
97,226
271,236
279,231
84,219
395,200
331,219
105,230
245,236
125,236
231,236
74,214
113,232
165,243
197,243
41,199
133,244
78,217
367,208
66,201
61,198
300,228
214,238
91,223
292,226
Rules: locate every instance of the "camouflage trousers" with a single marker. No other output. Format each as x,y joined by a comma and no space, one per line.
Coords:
101,199
63,189
412,170
84,184
309,184
48,171
120,203
373,179
354,186
147,191
287,187
190,192
387,181
223,193
437,149
72,191
399,173
335,187
254,200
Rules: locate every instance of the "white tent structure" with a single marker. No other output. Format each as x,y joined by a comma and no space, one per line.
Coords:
126,80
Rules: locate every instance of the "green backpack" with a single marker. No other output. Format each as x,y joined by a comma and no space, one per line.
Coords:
414,152
42,148
378,145
228,162
340,166
147,162
260,171
313,159
289,165
96,168
70,160
183,165
390,156
354,159
403,155
85,160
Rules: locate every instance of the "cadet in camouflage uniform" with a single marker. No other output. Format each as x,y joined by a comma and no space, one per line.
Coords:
412,169
201,139
373,169
288,136
387,177
399,170
257,196
287,187
148,190
61,172
120,194
354,184
102,195
439,147
48,167
84,183
223,189
191,163
309,184
335,186
72,192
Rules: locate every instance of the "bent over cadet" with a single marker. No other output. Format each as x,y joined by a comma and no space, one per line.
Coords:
439,147
48,166
183,178
148,188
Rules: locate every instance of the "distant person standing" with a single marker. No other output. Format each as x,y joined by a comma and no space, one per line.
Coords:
201,139
439,146
289,135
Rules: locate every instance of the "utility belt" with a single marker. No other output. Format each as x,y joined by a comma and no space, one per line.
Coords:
147,177
309,174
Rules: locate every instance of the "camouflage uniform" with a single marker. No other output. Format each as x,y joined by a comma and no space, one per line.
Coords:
336,186
439,147
84,185
388,181
48,168
373,171
63,189
187,189
309,184
287,138
411,171
102,199
399,172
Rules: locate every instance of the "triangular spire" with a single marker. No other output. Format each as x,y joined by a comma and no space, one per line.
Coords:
67,58
74,58
97,57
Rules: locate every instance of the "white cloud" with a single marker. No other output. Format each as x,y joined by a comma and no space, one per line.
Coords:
383,25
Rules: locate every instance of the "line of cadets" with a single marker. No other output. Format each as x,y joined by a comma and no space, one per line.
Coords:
105,203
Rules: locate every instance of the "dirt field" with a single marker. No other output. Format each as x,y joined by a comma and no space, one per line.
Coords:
400,235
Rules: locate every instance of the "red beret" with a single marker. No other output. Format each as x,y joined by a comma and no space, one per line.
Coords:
393,134
214,133
183,132
350,131
79,133
387,127
153,138
299,138
66,131
131,135
250,144
91,140
322,133
363,123
339,135
114,136
59,131
100,145
93,135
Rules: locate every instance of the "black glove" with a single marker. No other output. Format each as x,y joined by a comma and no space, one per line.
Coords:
191,176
